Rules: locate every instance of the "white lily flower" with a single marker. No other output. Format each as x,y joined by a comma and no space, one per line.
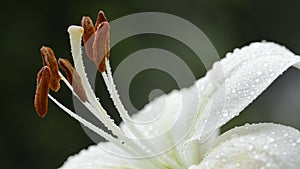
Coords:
230,86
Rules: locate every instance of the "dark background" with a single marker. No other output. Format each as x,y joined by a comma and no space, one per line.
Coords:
28,141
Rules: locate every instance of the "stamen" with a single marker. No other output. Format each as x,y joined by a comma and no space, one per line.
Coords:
50,61
94,128
101,46
108,79
100,55
88,33
42,90
75,38
73,78
101,18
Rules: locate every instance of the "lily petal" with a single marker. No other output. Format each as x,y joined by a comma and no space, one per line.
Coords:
97,156
193,114
235,81
264,145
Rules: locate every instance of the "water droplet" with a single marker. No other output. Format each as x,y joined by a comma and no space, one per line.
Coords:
259,73
233,91
250,147
271,139
265,147
294,144
224,113
237,164
257,80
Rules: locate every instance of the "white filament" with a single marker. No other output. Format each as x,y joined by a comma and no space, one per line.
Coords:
75,33
108,79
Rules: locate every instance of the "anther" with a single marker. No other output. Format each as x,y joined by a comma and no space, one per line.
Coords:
101,46
101,18
73,78
96,40
42,90
50,61
88,33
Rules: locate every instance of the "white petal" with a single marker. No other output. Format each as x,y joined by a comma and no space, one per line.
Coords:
257,146
97,157
237,80
195,113
167,121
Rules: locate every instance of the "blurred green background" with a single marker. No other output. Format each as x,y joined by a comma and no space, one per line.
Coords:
30,142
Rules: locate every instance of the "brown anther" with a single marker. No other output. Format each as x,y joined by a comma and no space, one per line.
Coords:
50,61
101,18
42,90
88,33
101,47
96,40
73,78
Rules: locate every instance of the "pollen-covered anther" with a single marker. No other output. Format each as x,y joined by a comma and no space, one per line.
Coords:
101,48
101,18
73,78
96,40
50,61
42,90
88,38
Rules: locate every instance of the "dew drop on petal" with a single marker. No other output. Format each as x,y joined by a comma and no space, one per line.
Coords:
271,139
250,147
259,73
